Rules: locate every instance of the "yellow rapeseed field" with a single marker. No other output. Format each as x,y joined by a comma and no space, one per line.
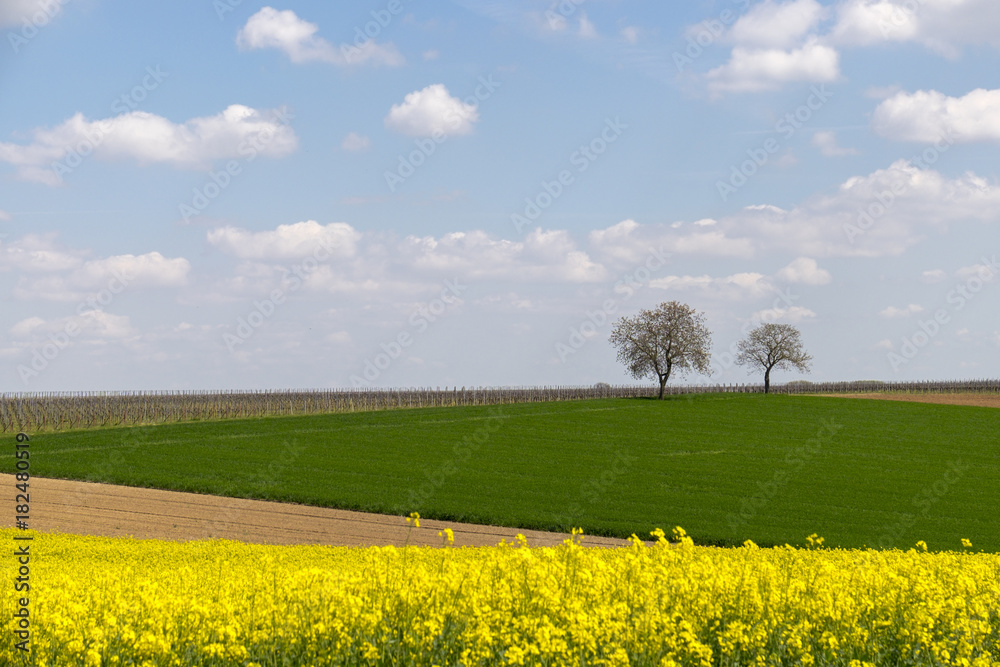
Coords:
103,601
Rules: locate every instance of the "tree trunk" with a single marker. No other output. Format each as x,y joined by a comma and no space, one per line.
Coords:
663,383
767,380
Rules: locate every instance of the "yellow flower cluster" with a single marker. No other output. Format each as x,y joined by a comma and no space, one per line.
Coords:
98,602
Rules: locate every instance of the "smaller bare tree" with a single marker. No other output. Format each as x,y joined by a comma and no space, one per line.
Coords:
658,342
773,346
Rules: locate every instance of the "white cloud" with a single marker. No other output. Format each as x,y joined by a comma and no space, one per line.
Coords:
735,286
776,25
984,272
355,142
432,110
89,324
76,280
826,142
907,311
930,116
885,344
586,29
789,315
806,271
829,225
147,138
294,241
285,31
34,253
4,216
630,34
542,255
628,242
36,12
752,70
825,225
933,276
941,25
748,285
431,54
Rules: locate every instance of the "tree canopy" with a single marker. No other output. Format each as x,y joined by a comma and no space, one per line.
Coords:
671,338
772,346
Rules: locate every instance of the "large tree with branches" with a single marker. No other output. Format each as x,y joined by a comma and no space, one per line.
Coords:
672,338
772,346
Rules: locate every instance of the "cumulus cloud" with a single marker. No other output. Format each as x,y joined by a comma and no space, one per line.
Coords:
542,255
297,39
874,215
586,29
628,242
431,111
355,142
36,12
940,25
933,276
906,311
777,25
790,315
38,253
735,286
294,241
826,142
930,116
383,263
146,138
630,34
748,285
853,221
806,271
90,324
76,280
753,70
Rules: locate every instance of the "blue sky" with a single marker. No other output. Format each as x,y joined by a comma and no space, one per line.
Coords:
232,194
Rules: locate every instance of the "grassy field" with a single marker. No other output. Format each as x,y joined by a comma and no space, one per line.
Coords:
726,467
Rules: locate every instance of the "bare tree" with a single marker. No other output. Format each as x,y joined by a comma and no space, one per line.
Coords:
771,346
658,342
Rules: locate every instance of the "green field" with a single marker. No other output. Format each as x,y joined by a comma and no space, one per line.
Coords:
726,467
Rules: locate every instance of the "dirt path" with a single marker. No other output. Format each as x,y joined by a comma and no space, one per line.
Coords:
981,400
86,508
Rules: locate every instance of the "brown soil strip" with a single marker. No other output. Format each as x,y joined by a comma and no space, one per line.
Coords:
980,400
86,508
